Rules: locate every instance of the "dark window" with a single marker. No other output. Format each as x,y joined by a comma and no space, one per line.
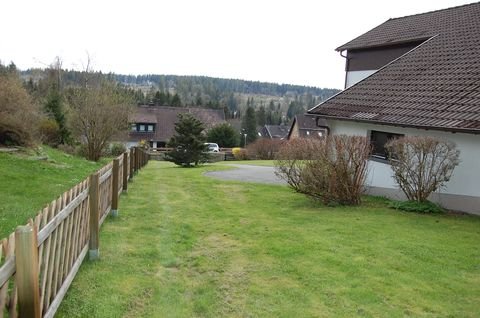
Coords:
378,140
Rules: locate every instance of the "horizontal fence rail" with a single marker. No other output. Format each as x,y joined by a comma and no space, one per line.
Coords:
39,261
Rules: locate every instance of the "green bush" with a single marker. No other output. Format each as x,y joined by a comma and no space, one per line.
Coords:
224,135
418,207
50,132
117,148
81,150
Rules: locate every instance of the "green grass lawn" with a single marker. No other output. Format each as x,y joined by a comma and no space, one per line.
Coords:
30,180
185,245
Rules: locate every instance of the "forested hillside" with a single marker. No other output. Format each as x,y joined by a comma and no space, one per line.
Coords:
279,102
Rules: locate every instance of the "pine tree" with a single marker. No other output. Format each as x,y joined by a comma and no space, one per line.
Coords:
249,125
54,109
176,102
261,116
188,142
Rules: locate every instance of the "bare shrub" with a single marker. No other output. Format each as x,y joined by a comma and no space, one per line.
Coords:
291,159
264,148
240,153
422,164
18,114
332,169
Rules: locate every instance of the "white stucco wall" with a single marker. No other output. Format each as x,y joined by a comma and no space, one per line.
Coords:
466,176
356,76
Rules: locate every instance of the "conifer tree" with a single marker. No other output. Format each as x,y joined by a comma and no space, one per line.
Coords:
249,125
188,142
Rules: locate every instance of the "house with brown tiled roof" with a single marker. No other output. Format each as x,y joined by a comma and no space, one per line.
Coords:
156,124
304,126
415,75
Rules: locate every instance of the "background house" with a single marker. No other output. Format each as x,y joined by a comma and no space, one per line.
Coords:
305,126
156,125
273,131
415,75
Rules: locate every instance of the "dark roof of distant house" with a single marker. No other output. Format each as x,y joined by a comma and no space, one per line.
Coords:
276,131
434,86
165,117
309,122
306,124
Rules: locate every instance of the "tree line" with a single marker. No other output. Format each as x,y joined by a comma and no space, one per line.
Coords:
232,95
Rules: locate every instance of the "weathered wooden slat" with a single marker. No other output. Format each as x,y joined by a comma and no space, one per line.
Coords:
57,220
7,270
12,302
115,181
94,216
51,260
71,226
66,284
58,251
44,221
69,195
125,171
47,257
105,176
13,313
104,216
77,220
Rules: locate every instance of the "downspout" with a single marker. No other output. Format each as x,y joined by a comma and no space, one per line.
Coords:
346,68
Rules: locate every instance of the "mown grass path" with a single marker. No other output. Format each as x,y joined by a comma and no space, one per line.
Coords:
186,245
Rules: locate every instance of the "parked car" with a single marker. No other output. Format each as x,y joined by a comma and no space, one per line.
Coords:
212,147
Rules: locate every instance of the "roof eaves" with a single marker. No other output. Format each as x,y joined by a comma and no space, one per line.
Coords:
392,43
387,123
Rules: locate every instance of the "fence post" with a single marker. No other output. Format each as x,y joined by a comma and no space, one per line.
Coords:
131,162
93,251
125,172
27,276
115,181
137,159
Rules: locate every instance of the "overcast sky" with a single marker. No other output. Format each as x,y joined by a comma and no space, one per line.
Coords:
266,40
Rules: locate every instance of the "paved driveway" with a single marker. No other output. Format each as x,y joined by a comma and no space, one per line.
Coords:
248,173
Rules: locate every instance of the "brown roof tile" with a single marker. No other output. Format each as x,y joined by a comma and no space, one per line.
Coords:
436,85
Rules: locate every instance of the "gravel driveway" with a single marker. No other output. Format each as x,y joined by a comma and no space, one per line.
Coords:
248,173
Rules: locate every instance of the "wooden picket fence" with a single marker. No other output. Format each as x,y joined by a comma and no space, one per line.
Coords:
39,260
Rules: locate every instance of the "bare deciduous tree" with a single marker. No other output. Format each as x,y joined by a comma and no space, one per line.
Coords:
422,164
98,111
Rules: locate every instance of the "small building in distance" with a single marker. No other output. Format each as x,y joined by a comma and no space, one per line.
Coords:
273,131
156,124
304,126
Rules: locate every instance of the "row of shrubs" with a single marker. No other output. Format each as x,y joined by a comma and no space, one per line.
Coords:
114,150
334,169
261,149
